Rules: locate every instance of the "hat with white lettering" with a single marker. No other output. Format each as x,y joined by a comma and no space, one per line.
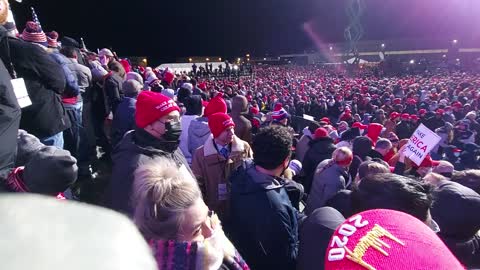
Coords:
386,239
152,106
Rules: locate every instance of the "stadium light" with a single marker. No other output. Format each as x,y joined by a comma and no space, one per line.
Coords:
412,62
248,55
458,60
238,59
264,59
190,59
331,48
444,56
208,59
144,60
455,41
235,67
383,45
219,59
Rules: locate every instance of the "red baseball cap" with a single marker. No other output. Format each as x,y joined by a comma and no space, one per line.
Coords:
405,116
387,239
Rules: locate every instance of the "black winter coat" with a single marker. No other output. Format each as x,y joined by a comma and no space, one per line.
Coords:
263,224
135,149
9,117
113,88
320,149
45,84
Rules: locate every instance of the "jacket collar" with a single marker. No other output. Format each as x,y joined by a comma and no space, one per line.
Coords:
209,147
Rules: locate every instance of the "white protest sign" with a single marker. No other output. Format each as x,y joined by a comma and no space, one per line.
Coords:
308,117
21,92
420,144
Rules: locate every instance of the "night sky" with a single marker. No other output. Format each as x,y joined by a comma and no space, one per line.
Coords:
164,30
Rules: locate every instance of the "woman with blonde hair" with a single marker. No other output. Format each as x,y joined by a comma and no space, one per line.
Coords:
330,177
180,229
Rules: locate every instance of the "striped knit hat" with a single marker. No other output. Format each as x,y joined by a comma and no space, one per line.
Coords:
52,38
33,33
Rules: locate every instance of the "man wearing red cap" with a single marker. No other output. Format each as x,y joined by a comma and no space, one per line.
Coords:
212,163
157,134
404,128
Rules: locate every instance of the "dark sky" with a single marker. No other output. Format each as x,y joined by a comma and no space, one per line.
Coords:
164,30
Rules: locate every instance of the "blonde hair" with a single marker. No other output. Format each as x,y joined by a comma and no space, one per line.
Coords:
161,194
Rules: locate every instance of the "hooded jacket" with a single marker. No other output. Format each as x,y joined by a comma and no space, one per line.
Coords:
198,133
243,126
45,84
361,148
328,180
453,209
263,223
136,148
320,150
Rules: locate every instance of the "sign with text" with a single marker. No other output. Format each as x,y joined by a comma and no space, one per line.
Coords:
420,144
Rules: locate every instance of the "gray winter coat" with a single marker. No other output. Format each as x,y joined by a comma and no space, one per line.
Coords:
198,133
328,180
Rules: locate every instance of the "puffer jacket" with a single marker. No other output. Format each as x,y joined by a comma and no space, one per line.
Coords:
198,133
135,149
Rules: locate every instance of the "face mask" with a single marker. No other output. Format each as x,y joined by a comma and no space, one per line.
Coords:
173,130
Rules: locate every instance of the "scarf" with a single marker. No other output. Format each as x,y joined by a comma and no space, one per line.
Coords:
209,254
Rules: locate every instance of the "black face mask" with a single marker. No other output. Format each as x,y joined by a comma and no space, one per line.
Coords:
173,131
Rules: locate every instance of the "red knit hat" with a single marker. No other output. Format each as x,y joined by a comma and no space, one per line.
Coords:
440,112
414,117
359,125
34,33
387,239
216,105
152,106
405,116
321,133
325,119
374,130
429,162
52,38
278,107
394,115
218,122
168,77
422,112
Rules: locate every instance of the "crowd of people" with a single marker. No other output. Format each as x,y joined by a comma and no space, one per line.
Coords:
296,167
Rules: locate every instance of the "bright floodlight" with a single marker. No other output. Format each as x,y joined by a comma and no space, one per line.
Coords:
455,41
220,59
458,60
412,61
331,48
235,67
264,59
208,59
248,55
444,56
383,45
190,59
